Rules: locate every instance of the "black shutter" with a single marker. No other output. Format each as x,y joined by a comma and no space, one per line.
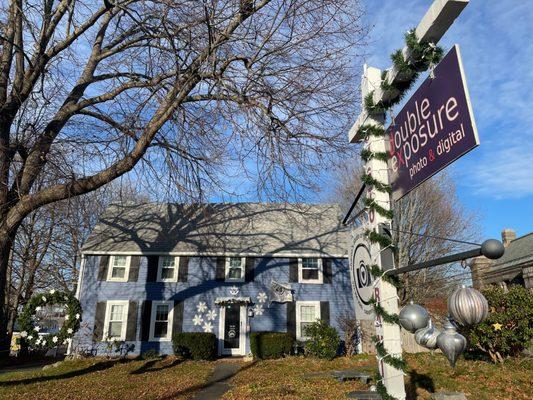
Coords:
220,274
183,269
249,270
177,323
102,270
131,328
99,320
324,311
291,318
293,270
153,263
327,270
146,313
134,268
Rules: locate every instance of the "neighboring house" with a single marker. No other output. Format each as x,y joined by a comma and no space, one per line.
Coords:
152,270
515,266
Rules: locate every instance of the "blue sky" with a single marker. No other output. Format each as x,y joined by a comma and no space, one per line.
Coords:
494,180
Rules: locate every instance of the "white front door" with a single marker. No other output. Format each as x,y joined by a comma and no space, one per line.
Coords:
232,330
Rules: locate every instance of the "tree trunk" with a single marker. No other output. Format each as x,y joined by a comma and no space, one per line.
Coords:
6,244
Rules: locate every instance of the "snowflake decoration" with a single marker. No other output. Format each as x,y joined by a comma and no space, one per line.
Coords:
258,309
52,291
77,316
262,297
38,308
37,328
201,307
23,334
208,327
69,331
197,320
30,337
67,317
43,299
234,290
211,315
54,339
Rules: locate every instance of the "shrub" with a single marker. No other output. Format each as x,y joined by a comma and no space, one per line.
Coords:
271,344
195,345
151,354
323,340
513,310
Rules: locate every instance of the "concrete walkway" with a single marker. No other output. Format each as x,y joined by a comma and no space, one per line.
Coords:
218,383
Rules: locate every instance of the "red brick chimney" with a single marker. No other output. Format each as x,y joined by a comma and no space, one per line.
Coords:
508,235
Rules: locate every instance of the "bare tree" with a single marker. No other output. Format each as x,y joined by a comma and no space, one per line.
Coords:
423,218
183,90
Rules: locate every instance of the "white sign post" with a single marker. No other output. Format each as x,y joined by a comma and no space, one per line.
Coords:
434,24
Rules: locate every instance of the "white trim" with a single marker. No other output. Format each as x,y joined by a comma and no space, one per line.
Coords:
160,268
243,270
318,281
207,254
298,316
125,310
170,321
110,269
241,350
78,293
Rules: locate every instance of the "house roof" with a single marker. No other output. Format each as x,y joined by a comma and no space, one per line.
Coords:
220,228
518,251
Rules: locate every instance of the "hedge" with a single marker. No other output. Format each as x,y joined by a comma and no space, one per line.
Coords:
195,345
271,344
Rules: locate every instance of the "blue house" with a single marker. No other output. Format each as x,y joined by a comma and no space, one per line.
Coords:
152,270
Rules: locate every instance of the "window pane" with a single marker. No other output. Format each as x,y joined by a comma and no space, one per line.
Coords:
310,263
118,272
167,273
235,262
160,329
115,329
119,261
161,312
116,312
235,273
307,313
303,328
168,262
309,274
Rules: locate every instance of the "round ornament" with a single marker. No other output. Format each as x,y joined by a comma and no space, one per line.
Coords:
451,343
413,317
427,337
29,327
467,306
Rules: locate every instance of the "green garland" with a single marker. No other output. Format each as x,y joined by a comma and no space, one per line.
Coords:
367,155
369,180
29,332
367,130
371,204
375,237
376,272
393,361
385,316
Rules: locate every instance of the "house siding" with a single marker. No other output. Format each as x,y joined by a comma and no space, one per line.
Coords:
201,286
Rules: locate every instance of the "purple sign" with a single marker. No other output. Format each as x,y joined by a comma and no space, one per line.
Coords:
434,128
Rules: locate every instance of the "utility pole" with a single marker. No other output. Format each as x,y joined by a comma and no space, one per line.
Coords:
431,28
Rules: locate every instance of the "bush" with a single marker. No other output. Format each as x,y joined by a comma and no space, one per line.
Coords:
151,354
271,344
195,345
513,310
323,340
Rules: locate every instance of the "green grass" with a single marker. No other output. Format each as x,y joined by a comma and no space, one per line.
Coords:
108,379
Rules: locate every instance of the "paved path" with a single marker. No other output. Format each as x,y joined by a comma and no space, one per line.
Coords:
218,383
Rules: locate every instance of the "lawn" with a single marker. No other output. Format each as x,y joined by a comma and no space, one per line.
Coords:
289,378
108,379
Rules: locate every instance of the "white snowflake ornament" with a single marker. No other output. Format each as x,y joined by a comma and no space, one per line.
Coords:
69,331
52,291
208,327
197,320
201,307
54,339
37,328
67,317
262,297
77,316
211,315
38,308
23,334
258,309
30,337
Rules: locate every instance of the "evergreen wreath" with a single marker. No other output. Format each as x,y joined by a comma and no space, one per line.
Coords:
29,331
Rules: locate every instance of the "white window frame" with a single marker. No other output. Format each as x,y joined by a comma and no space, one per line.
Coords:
320,279
125,311
170,305
316,304
110,278
243,269
160,268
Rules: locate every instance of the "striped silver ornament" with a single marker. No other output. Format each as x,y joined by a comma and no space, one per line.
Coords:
467,306
427,337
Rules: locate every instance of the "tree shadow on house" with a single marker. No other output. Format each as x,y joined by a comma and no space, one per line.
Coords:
99,366
418,382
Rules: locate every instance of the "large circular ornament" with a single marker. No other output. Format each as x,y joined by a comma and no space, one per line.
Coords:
427,337
413,317
451,343
467,306
29,327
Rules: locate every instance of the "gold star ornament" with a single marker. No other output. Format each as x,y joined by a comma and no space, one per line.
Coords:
497,326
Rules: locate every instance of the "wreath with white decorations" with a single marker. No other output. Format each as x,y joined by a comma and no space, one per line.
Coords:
29,327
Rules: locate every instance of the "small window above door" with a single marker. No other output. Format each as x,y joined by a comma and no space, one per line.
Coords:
235,267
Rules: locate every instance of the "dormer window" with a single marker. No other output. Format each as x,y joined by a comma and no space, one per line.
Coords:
168,269
235,269
119,268
310,270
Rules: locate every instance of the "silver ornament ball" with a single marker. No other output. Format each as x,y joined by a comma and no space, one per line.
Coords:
413,317
427,337
467,306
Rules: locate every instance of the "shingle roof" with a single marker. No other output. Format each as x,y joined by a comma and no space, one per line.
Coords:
518,251
220,228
